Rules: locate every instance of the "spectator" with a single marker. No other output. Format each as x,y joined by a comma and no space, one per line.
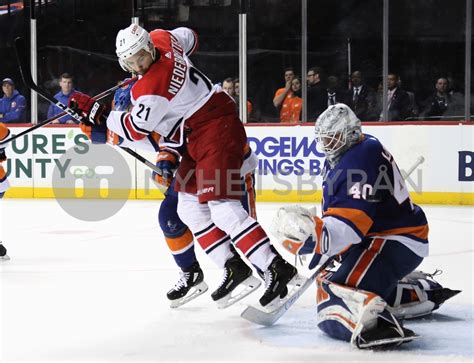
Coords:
360,98
283,95
442,103
229,87
237,100
66,83
12,104
333,93
317,96
295,102
398,100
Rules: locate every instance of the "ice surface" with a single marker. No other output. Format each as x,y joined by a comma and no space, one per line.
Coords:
95,291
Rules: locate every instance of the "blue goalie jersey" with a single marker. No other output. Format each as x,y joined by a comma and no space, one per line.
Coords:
364,196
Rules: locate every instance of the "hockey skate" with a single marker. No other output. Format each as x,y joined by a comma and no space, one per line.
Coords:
389,333
236,273
279,277
3,253
189,286
418,294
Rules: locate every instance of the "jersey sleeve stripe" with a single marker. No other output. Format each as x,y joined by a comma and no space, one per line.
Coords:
352,216
125,131
419,232
139,129
134,134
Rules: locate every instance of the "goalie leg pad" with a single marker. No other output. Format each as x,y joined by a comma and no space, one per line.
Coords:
359,317
344,312
417,295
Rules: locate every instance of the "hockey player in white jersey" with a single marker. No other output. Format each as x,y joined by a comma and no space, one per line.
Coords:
174,103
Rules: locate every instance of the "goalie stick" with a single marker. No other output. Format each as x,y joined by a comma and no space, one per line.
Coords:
269,317
20,49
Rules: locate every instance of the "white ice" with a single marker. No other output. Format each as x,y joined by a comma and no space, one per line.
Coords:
95,291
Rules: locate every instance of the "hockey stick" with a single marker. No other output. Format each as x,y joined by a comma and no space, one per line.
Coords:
28,79
98,97
268,318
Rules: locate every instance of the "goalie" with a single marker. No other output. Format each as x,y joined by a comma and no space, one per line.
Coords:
376,233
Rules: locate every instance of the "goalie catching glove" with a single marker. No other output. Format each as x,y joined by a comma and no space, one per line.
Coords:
300,232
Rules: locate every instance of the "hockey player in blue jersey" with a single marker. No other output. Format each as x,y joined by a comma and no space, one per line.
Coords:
378,235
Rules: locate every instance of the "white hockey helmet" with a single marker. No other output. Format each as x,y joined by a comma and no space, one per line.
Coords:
337,129
130,41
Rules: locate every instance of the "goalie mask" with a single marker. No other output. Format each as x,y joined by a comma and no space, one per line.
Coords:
129,42
337,129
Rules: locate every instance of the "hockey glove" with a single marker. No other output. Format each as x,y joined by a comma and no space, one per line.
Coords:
167,162
297,229
92,111
100,134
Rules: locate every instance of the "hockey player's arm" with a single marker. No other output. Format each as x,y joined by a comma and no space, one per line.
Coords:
136,127
187,38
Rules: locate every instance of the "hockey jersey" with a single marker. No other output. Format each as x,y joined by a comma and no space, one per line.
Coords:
365,195
171,91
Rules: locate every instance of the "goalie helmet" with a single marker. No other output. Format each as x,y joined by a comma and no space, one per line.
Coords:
130,41
337,129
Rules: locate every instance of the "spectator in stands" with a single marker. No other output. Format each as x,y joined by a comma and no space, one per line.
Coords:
361,98
237,99
316,94
283,95
442,104
228,87
12,104
295,102
333,92
66,83
398,100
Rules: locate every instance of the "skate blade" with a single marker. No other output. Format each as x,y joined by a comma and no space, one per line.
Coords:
4,258
251,284
195,291
295,283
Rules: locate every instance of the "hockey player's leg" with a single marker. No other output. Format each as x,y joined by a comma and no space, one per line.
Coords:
357,316
180,241
251,239
217,245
